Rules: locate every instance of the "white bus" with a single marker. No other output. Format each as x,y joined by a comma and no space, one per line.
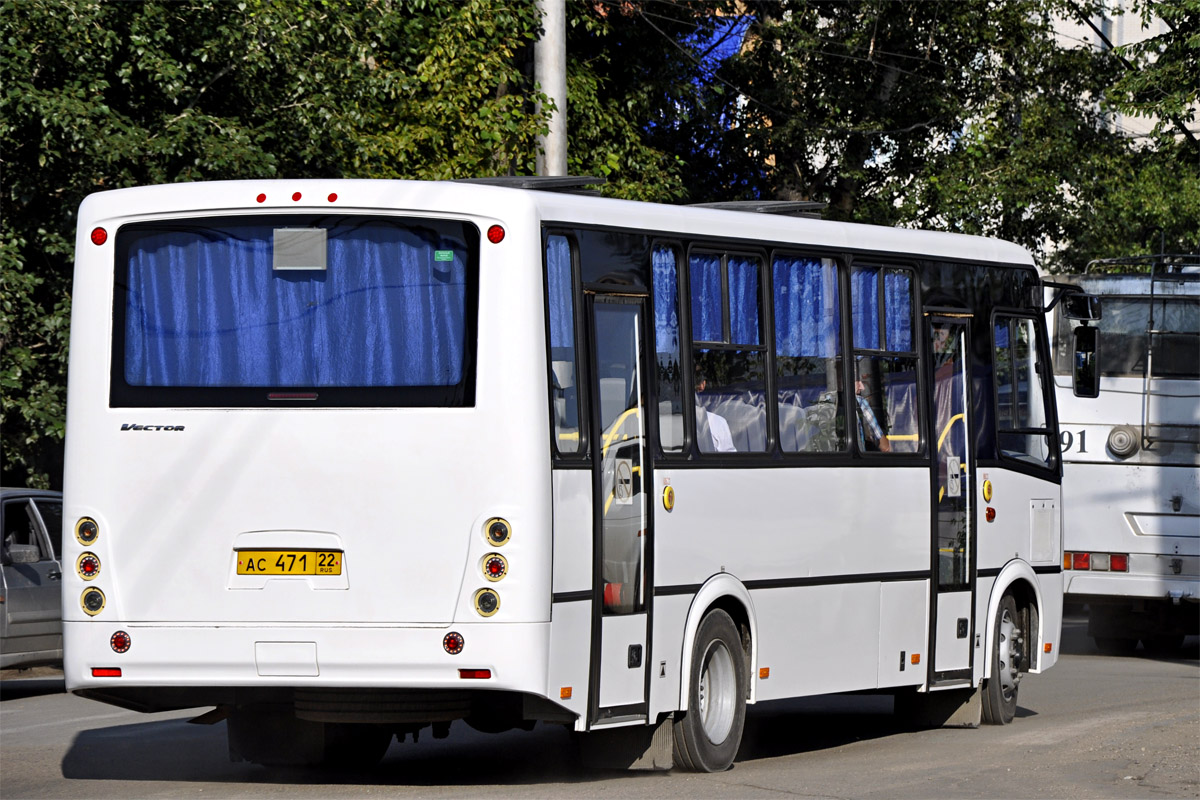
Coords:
350,459
1131,454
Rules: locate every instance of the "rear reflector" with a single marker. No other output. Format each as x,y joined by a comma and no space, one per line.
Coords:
474,673
1080,560
1119,562
106,672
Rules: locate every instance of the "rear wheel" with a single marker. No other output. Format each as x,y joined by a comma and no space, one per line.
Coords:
1000,690
709,734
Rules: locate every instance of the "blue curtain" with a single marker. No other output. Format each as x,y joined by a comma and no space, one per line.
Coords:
807,316
897,293
898,309
743,300
864,294
704,273
666,301
205,308
558,279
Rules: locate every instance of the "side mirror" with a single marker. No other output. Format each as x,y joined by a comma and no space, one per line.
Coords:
1086,371
1079,306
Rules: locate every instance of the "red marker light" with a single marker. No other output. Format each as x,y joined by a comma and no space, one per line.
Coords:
99,236
262,198
991,514
295,195
333,197
495,234
120,642
1119,562
106,672
1081,560
475,673
453,643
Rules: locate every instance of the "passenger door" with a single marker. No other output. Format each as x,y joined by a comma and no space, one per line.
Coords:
953,489
622,530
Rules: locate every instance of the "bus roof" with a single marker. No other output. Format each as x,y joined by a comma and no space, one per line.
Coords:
502,202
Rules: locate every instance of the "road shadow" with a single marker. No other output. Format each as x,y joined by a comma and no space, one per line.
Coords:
1076,642
174,750
30,687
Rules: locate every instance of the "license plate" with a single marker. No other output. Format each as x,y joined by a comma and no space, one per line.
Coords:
289,562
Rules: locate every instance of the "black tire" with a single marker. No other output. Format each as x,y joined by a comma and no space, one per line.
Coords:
708,735
1116,645
1008,659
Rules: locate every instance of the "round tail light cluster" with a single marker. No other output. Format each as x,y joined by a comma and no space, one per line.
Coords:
453,642
88,566
497,532
120,642
87,531
92,601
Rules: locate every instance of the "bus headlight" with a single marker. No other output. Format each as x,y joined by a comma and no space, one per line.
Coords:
1123,441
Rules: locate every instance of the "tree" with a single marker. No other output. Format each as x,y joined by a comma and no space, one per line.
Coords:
104,95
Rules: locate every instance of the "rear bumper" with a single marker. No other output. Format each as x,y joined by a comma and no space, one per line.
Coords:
1111,584
202,663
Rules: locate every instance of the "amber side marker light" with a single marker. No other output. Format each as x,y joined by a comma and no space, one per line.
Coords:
1048,648
106,672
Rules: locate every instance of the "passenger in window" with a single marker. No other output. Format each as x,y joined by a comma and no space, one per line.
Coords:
871,435
712,429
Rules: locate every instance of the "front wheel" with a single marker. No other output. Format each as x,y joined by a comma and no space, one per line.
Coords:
1000,690
708,735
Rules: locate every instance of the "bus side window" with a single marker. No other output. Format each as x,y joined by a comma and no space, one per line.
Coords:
669,373
1022,427
885,360
563,372
807,345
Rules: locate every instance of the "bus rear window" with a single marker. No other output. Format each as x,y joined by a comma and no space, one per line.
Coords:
331,311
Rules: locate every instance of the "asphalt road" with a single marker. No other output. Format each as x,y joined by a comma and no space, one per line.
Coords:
1094,726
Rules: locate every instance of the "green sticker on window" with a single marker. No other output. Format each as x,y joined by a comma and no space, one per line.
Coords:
443,255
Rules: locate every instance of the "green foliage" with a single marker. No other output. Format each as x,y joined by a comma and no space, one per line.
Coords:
98,95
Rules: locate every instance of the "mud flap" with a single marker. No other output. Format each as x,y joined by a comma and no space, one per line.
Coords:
953,708
637,747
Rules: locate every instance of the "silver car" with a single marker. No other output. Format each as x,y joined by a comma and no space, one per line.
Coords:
31,589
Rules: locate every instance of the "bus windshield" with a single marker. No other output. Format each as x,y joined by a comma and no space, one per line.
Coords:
1124,340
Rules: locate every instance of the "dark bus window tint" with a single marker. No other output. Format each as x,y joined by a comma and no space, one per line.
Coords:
564,377
51,511
807,345
666,346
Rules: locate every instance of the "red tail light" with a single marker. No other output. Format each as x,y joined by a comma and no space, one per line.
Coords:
1119,562
106,672
1081,561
